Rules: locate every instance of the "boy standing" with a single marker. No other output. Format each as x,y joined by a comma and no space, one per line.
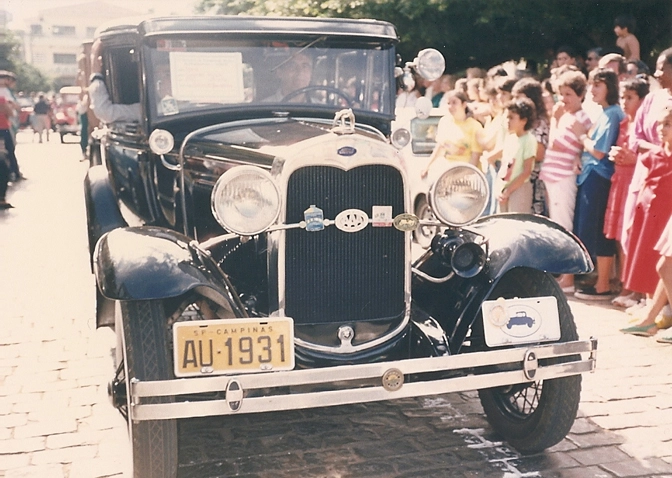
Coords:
624,27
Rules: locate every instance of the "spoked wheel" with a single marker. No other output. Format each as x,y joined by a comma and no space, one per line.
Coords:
536,415
141,325
423,234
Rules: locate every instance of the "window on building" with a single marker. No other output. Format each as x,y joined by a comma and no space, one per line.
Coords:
65,58
63,30
90,32
36,29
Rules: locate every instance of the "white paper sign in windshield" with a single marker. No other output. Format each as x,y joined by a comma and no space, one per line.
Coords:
207,77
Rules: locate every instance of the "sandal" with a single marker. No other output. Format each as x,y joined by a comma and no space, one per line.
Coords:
641,330
665,340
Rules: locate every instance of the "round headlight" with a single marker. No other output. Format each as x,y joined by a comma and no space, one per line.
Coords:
430,64
460,195
400,138
161,141
246,200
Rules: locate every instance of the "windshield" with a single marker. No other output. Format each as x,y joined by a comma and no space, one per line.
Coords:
198,74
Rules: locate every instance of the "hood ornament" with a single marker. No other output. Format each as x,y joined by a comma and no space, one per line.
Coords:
344,122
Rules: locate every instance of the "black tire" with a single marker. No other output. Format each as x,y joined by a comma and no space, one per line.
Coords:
423,234
535,416
141,327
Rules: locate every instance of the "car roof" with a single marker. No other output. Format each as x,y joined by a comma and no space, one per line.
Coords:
248,24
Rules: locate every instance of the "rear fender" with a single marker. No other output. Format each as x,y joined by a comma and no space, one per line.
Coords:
154,263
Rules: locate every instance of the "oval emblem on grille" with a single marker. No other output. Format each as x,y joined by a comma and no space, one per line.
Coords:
346,151
406,222
351,220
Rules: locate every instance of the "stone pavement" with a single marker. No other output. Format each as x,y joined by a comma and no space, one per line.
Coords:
56,420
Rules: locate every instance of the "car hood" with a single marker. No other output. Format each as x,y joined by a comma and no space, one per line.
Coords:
261,142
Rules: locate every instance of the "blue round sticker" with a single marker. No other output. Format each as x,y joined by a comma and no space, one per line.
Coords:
346,151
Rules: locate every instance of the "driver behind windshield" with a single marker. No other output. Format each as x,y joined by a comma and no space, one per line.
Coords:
293,74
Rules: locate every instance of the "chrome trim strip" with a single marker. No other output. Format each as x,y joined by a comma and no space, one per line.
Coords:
141,390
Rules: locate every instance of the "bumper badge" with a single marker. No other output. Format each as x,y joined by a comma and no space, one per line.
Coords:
393,380
314,218
406,222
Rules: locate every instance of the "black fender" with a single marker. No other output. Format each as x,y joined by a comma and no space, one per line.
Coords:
102,209
526,240
155,263
513,241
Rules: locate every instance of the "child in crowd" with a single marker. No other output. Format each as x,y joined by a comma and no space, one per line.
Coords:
457,134
518,155
652,212
633,93
532,89
494,133
594,182
563,156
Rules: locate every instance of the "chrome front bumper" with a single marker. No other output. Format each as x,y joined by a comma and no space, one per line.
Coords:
523,362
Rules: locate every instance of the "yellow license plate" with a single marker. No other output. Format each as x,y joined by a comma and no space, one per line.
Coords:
223,346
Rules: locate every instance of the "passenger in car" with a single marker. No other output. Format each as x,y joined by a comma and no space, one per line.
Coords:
101,105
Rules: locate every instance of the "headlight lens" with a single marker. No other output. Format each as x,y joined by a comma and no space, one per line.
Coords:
400,138
459,195
246,200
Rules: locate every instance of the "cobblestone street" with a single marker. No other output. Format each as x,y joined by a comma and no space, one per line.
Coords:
56,420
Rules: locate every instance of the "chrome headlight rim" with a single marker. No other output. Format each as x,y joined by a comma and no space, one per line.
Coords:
400,138
225,180
161,141
439,213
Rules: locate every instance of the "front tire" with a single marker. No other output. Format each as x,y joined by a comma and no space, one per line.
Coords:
141,328
535,416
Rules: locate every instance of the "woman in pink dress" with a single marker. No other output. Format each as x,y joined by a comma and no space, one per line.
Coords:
633,93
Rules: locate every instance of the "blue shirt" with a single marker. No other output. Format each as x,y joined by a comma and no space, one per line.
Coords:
605,135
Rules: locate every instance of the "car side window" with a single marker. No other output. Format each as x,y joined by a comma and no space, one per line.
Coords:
124,75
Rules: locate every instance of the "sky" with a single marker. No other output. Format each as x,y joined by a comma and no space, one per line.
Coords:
21,9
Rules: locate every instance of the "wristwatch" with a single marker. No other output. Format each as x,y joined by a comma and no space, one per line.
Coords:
96,76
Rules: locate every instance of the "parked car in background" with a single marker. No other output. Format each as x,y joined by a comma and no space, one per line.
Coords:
269,266
65,117
26,105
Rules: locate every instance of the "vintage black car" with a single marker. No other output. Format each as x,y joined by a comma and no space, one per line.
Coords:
252,246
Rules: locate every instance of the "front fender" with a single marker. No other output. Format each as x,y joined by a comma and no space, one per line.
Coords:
526,240
147,263
102,210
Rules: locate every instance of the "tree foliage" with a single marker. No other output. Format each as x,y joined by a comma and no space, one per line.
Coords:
485,32
28,78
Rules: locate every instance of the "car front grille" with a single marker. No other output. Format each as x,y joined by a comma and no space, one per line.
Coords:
335,276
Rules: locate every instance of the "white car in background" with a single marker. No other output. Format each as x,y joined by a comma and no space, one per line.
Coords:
414,134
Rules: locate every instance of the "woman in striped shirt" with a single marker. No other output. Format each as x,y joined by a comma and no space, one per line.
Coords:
563,155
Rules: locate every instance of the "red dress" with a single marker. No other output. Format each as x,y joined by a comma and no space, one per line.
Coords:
664,244
620,182
652,212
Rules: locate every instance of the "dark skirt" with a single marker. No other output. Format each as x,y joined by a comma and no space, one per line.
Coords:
591,204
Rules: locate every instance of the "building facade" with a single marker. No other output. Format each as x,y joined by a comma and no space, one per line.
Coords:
52,39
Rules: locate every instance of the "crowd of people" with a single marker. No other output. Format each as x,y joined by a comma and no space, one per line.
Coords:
588,143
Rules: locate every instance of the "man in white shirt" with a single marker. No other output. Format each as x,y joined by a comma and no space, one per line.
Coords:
101,105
